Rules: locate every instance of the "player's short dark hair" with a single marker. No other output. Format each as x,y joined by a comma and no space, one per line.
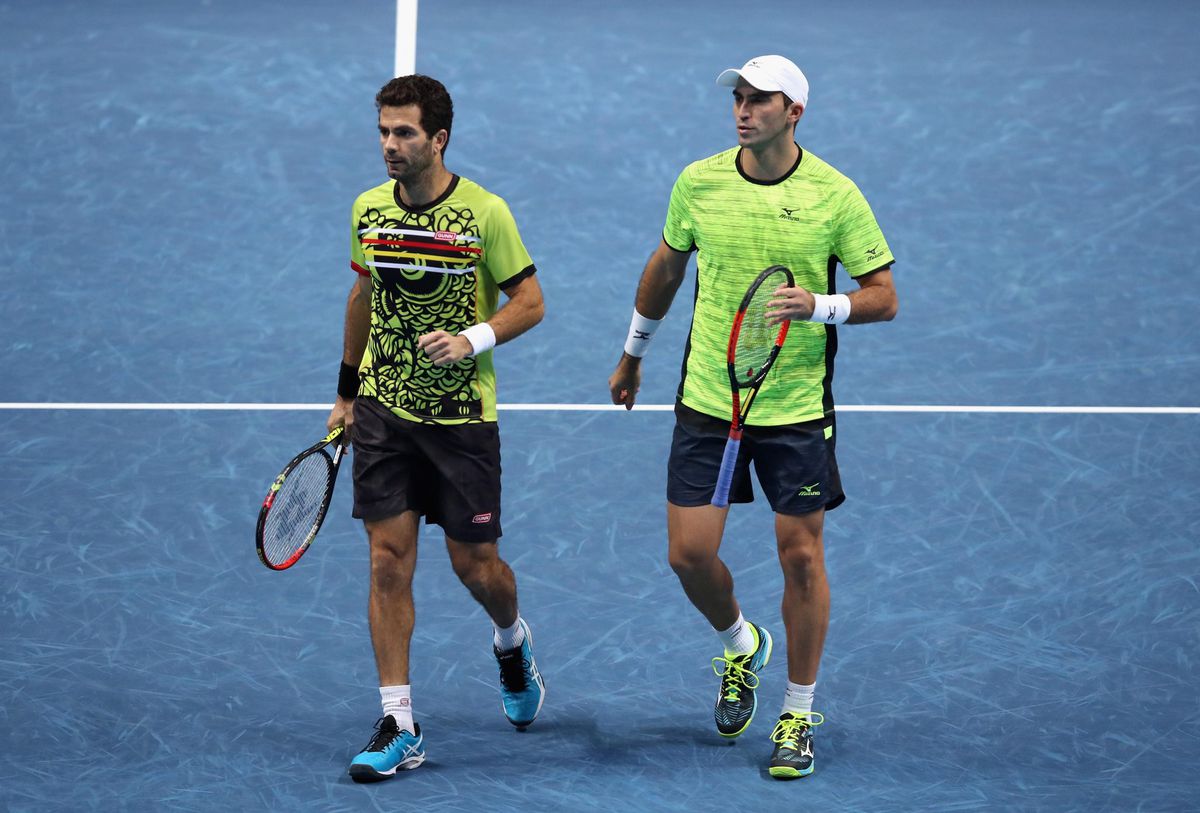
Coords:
428,94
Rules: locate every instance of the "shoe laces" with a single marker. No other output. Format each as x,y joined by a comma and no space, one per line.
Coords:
734,676
512,669
791,727
385,735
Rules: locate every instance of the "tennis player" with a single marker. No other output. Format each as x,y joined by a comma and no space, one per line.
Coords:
417,394
765,202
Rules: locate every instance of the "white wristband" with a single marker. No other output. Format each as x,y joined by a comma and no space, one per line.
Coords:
641,331
481,337
832,309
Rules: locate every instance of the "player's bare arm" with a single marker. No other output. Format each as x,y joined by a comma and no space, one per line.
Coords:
354,344
874,301
524,309
660,281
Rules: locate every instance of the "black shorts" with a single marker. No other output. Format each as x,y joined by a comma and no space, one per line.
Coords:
449,474
795,464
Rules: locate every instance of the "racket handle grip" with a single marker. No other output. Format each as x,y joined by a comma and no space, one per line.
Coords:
725,475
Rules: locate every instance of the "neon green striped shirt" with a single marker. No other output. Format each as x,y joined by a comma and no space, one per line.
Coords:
809,220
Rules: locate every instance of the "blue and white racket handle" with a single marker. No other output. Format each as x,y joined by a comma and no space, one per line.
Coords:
725,475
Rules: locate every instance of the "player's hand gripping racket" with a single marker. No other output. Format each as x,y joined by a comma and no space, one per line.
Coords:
295,506
753,347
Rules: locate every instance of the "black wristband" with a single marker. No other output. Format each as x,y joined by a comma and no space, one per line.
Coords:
348,381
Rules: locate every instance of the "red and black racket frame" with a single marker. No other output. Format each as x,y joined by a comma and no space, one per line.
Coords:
333,462
741,406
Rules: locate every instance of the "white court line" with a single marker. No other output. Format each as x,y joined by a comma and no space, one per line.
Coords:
406,37
929,408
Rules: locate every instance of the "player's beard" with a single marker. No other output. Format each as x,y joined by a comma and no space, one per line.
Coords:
414,167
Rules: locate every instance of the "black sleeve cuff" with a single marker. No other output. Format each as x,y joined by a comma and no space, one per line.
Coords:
529,271
688,250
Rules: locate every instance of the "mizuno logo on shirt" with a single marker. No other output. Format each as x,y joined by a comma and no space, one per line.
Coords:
789,214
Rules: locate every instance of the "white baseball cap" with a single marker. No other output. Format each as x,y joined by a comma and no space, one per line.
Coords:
770,73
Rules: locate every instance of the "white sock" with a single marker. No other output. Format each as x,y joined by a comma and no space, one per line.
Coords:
798,698
397,701
508,637
738,639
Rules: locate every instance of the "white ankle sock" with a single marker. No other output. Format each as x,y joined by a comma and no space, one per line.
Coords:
738,639
798,699
397,701
509,637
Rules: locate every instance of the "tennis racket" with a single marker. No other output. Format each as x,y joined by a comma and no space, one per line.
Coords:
295,506
754,345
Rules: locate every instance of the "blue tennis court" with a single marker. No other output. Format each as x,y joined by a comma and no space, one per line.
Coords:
1016,592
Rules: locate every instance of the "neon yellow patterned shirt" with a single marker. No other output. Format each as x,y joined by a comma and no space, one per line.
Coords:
437,267
809,220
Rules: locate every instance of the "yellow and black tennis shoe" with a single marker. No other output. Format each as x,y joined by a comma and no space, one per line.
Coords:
739,678
793,755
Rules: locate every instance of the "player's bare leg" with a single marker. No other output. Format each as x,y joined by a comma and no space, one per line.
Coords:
393,544
805,591
806,620
491,581
694,538
488,577
397,744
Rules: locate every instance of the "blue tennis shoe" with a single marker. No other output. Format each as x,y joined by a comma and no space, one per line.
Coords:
390,750
521,687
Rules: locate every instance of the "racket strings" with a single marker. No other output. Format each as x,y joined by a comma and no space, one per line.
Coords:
296,508
756,339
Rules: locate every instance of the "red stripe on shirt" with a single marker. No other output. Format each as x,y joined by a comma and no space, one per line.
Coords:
414,244
359,269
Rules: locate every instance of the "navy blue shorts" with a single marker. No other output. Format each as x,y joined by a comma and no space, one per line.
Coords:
795,464
449,474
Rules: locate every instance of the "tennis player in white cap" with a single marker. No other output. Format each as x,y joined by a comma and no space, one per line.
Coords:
764,202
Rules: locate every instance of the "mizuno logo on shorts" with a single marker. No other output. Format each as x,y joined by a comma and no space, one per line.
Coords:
480,519
809,491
